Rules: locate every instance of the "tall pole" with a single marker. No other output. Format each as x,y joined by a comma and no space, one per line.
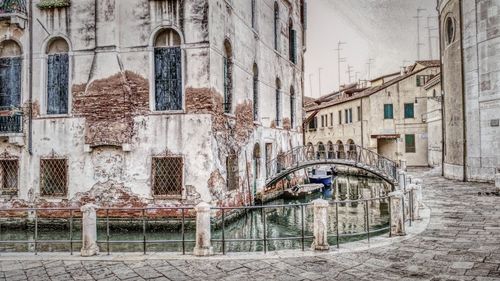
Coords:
349,73
311,85
418,17
339,59
429,36
319,81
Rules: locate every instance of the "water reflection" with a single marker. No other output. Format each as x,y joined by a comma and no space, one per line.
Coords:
281,223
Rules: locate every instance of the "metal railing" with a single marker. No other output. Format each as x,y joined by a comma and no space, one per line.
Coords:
12,7
348,154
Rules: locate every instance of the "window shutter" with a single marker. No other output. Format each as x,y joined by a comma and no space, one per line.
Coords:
304,16
57,84
10,82
293,47
168,78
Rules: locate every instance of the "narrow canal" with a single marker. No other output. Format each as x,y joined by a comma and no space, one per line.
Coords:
284,226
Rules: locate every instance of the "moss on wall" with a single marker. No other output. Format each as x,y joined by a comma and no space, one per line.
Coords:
50,4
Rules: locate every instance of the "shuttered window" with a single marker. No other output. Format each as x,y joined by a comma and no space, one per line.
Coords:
409,110
340,116
293,45
168,79
292,109
10,82
278,107
388,111
410,143
57,84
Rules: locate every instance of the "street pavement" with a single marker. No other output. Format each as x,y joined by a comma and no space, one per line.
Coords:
461,242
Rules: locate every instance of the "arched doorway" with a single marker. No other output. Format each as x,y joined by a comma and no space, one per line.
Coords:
340,150
330,149
321,151
352,153
310,151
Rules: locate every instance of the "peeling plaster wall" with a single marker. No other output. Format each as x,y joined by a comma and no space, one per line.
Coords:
111,133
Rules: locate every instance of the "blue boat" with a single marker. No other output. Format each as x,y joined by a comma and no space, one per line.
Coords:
326,180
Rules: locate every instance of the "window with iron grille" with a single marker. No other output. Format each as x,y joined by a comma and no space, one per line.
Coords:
253,14
9,176
278,107
232,172
167,176
53,177
168,78
255,92
228,95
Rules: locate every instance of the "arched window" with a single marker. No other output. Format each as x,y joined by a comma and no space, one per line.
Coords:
228,77
330,148
255,92
292,42
278,102
292,107
168,71
10,74
321,150
352,150
276,24
57,76
450,30
340,150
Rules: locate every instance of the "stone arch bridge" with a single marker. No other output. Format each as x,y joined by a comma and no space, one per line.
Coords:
338,154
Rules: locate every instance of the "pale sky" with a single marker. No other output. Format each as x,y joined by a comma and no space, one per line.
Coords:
383,30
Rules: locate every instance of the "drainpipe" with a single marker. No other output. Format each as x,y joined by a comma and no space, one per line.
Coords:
30,79
464,115
443,128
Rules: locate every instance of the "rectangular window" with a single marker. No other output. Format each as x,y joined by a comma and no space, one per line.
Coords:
346,116
422,80
269,151
359,113
350,115
9,173
167,176
168,79
233,172
388,111
57,84
53,177
410,143
340,116
326,120
409,110
322,121
331,119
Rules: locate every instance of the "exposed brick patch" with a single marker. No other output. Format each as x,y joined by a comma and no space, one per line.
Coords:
109,105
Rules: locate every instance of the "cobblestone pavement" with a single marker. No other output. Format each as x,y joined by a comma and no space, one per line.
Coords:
462,242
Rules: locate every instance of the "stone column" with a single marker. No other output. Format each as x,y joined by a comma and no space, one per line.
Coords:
401,180
89,231
418,183
415,206
397,218
320,242
203,235
402,165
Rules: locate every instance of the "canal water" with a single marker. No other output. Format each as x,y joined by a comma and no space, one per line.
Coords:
284,226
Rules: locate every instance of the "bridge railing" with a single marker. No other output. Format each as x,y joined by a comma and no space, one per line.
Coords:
350,153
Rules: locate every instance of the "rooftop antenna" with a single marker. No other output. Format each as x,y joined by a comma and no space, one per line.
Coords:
311,85
418,17
339,59
319,81
370,63
349,72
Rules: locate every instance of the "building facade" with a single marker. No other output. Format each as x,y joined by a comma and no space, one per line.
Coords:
387,117
166,101
433,119
470,55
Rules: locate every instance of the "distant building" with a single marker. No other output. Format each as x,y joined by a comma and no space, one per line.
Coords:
388,117
174,102
471,87
434,121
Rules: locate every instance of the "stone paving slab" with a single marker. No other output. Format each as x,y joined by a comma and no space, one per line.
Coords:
461,242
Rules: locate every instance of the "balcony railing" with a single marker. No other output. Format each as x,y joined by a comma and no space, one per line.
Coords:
11,122
12,7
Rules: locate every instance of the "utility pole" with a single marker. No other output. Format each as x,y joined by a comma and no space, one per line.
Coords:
418,17
339,59
429,35
369,63
356,77
319,81
310,85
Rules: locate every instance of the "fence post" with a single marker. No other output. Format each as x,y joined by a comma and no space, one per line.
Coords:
402,165
415,214
397,218
203,235
418,183
89,231
320,242
401,180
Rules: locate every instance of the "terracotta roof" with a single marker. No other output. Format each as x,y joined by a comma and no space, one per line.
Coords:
385,76
429,63
368,91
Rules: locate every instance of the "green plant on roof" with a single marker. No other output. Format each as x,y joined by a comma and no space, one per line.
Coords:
51,4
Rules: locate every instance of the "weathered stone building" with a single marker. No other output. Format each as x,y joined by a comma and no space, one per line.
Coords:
167,100
470,50
388,117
